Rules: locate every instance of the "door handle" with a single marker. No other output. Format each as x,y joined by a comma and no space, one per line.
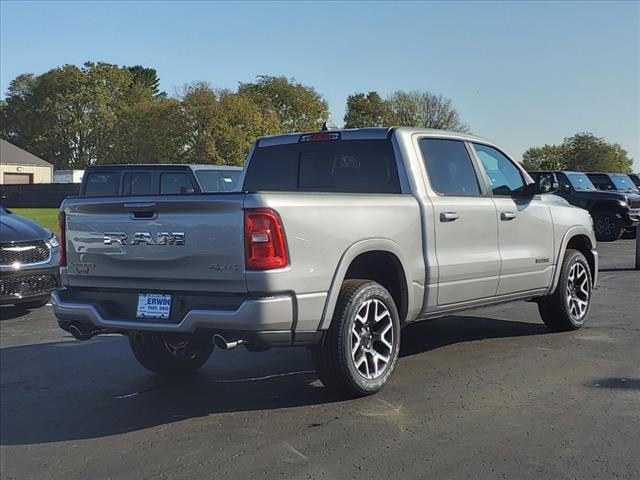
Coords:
506,216
448,216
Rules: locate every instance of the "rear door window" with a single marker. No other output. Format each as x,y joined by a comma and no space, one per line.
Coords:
341,166
137,183
601,182
102,184
175,182
449,166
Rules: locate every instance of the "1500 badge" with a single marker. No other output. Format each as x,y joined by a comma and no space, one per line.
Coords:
145,238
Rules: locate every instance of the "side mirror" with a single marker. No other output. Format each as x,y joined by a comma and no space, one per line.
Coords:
547,183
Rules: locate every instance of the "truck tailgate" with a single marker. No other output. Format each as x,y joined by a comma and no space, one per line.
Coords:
167,243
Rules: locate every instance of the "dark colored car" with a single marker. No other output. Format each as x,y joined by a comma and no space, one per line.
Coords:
145,179
613,211
29,261
619,182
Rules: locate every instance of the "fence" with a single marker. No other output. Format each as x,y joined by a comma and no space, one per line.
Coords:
37,195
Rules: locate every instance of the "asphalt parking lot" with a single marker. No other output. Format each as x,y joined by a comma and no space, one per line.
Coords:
488,394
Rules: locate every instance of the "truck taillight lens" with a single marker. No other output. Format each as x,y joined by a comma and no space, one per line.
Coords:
63,239
265,244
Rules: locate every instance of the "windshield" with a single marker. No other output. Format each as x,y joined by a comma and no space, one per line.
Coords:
580,181
623,182
218,180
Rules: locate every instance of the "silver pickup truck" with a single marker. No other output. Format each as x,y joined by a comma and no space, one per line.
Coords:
337,240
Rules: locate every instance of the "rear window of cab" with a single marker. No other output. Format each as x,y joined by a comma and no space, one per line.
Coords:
340,166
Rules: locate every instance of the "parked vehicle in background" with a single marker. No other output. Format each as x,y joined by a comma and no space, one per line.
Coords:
635,178
29,261
618,182
107,180
337,240
613,212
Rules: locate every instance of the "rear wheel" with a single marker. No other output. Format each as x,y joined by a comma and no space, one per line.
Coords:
568,308
170,354
608,226
360,349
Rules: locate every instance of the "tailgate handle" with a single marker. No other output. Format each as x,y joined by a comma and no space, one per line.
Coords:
143,211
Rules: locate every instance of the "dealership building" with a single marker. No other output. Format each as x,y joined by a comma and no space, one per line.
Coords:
17,166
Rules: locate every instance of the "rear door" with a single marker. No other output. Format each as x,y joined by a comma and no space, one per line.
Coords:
166,243
466,233
525,226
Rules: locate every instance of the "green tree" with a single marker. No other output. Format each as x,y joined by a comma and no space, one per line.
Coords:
368,110
66,114
586,152
151,131
223,125
148,78
424,110
299,107
582,152
548,157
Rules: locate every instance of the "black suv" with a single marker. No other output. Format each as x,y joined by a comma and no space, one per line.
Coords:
612,211
635,178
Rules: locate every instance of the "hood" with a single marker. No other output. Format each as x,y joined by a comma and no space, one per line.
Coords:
14,228
608,195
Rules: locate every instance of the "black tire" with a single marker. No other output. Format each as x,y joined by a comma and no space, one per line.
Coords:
608,226
170,354
334,360
560,312
33,304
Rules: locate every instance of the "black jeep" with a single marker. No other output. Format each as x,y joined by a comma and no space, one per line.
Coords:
612,211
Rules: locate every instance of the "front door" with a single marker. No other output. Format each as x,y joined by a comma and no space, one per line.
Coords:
466,234
525,226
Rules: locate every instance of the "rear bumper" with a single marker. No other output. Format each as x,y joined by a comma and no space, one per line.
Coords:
267,320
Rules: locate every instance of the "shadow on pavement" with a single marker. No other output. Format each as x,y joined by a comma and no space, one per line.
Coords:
621,269
73,390
9,312
616,383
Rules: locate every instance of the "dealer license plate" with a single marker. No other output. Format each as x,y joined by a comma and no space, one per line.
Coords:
153,305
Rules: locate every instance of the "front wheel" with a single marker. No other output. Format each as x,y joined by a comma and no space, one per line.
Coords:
608,226
568,308
360,350
170,354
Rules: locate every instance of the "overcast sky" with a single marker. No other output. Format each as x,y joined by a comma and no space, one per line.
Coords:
522,74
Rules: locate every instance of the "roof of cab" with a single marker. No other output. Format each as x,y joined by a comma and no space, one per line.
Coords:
370,133
128,166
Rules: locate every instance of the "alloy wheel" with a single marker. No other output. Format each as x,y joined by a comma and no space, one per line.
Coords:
605,226
372,339
578,291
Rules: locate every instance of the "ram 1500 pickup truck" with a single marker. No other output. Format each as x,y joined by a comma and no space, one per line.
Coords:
336,241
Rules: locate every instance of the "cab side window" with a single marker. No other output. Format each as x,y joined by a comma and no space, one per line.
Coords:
175,182
504,177
449,166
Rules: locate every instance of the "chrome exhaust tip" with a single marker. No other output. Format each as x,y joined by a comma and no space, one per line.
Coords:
224,344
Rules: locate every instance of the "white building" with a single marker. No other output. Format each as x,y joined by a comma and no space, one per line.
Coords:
18,166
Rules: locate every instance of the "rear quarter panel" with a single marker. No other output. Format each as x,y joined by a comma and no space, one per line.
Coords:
325,232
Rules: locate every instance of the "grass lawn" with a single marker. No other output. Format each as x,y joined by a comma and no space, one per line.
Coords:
47,217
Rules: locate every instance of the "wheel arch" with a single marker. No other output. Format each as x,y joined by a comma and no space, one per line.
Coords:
581,239
380,260
603,206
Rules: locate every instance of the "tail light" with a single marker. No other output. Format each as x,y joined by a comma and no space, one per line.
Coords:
63,239
265,244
